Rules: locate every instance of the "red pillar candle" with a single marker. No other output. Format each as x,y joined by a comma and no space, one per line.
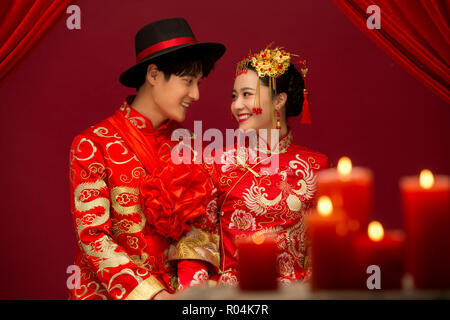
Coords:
257,262
328,235
427,222
383,249
350,189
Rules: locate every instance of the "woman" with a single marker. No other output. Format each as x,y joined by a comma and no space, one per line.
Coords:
252,197
267,185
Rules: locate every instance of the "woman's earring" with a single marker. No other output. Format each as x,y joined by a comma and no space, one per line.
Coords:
278,120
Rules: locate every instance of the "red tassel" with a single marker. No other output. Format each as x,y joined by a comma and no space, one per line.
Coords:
306,115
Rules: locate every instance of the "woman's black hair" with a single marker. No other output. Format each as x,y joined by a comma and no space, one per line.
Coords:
292,83
181,63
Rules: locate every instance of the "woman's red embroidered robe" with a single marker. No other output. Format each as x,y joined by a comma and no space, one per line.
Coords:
256,196
120,255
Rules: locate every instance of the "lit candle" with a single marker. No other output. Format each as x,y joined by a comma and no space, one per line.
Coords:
350,188
382,249
328,234
426,212
257,267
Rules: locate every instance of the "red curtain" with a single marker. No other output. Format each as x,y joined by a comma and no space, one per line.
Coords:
23,23
414,32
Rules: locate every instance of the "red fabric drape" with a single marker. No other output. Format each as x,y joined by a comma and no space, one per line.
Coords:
22,24
414,32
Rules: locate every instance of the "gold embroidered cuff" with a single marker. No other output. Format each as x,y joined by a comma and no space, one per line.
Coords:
196,244
146,290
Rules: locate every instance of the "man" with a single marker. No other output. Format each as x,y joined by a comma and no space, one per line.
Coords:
120,171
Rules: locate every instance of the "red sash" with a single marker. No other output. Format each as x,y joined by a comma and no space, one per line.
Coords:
172,196
143,147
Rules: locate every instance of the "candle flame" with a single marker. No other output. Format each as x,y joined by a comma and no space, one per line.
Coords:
258,238
426,179
344,166
324,206
375,231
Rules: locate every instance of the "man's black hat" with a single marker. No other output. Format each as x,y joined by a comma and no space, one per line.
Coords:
161,37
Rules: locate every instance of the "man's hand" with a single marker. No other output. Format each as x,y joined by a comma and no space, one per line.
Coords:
163,295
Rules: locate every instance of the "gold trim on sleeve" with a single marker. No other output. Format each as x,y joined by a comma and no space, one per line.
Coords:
146,290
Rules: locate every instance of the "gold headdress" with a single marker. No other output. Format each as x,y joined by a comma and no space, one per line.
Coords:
273,62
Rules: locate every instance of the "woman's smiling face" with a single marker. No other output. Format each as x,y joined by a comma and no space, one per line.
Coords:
244,101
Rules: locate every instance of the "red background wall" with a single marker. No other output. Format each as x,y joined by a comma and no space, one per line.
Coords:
363,105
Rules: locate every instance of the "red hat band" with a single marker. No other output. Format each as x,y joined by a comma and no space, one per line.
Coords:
164,45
